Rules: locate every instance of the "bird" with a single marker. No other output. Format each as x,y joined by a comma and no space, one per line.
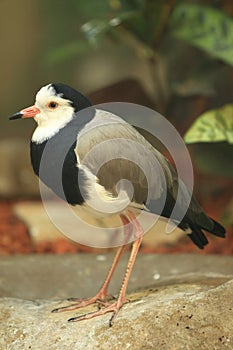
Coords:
57,111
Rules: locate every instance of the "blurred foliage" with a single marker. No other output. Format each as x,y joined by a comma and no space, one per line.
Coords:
212,126
143,22
214,158
206,28
154,30
146,26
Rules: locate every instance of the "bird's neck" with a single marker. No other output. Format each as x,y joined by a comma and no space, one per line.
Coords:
47,129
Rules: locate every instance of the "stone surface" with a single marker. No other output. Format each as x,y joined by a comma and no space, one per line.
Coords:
185,316
60,276
189,304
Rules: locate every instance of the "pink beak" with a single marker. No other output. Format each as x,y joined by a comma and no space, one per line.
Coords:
29,112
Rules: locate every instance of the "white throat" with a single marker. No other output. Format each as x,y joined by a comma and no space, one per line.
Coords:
48,129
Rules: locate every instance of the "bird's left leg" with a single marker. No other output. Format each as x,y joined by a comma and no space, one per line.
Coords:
116,306
103,292
101,295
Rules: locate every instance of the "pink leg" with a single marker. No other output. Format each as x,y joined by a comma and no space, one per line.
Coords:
128,228
103,292
138,228
101,295
116,306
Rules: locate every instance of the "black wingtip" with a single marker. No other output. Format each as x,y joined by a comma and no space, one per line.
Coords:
198,238
218,230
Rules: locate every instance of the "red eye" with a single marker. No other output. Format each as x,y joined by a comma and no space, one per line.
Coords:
52,105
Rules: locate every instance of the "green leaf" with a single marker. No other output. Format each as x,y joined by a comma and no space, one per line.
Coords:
212,126
204,27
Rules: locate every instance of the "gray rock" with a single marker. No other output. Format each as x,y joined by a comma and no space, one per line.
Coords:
184,316
189,304
80,275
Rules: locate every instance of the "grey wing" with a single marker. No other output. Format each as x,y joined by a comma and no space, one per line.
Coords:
113,150
195,213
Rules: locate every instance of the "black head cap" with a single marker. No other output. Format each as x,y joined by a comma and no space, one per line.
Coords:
78,101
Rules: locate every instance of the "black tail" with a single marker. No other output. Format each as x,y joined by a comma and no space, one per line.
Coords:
218,230
198,237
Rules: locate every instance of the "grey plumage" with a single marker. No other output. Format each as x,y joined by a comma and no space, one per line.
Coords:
107,136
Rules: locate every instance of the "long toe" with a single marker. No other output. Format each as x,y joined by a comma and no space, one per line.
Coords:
80,303
68,308
114,308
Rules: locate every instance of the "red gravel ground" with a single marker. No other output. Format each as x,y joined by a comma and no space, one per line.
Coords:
15,239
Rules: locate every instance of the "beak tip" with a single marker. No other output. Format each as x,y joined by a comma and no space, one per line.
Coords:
17,115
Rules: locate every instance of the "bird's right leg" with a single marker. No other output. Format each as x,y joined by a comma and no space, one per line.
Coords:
103,292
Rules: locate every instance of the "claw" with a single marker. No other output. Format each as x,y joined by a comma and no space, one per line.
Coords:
55,310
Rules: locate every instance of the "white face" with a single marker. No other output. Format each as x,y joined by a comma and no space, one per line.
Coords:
55,113
52,106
